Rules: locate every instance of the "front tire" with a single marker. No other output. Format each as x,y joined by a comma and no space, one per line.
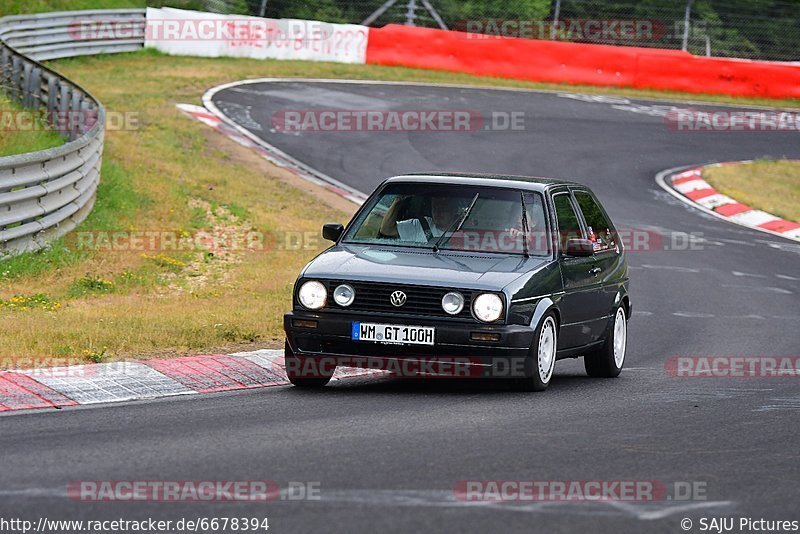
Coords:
542,358
303,375
607,361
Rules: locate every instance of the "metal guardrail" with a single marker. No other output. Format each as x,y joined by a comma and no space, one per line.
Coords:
45,194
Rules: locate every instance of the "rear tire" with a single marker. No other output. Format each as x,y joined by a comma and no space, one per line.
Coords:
302,374
607,361
542,357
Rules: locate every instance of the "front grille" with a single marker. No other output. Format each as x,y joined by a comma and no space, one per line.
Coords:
420,300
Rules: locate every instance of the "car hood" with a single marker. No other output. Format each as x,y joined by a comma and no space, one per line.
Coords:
423,267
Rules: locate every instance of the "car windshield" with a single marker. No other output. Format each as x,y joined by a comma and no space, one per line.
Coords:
453,217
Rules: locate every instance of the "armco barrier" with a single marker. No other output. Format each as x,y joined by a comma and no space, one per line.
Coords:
573,63
45,194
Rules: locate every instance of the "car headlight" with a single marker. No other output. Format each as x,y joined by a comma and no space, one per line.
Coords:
344,295
312,295
453,303
488,307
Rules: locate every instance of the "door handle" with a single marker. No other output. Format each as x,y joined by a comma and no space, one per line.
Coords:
595,271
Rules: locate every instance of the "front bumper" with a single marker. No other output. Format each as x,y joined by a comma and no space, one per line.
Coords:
452,340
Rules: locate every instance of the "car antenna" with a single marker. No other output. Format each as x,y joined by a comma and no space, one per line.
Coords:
460,222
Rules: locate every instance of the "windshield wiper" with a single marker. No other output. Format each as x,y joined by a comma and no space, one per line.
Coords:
460,222
525,228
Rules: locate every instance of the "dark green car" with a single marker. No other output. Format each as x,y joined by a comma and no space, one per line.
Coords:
464,275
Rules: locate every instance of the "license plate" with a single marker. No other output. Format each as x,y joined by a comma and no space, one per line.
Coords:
391,333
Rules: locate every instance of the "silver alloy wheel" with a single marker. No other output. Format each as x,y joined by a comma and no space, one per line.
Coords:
546,357
620,337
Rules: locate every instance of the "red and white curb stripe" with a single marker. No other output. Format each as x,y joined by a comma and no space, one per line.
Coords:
58,387
689,186
215,119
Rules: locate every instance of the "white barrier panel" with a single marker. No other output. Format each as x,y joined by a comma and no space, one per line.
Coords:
195,33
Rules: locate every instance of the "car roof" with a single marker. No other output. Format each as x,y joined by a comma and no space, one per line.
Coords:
532,183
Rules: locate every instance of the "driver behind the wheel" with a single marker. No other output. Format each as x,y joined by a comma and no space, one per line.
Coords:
444,212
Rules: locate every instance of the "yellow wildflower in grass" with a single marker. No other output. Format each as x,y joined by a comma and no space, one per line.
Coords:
29,302
162,260
96,356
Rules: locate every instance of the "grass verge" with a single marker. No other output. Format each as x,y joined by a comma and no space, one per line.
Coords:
171,174
17,7
17,137
772,186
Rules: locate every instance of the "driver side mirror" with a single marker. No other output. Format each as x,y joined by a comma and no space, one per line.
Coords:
579,248
332,231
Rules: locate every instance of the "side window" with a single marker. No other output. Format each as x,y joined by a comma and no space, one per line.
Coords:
538,242
568,225
601,233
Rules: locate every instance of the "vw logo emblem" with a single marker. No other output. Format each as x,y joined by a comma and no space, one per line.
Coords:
398,298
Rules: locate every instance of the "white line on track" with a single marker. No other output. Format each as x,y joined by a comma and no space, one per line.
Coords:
738,273
671,268
778,290
307,171
446,499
